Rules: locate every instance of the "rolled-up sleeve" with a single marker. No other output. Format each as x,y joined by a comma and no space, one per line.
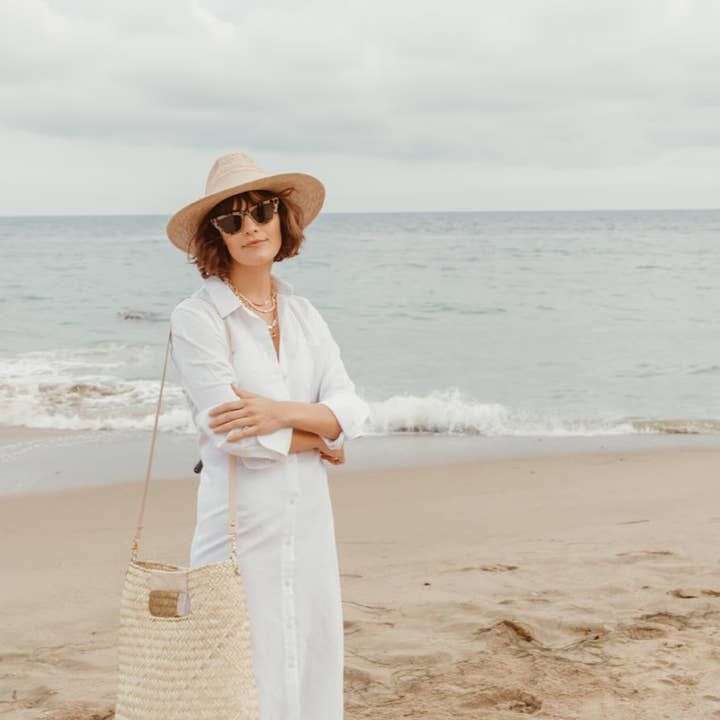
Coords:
201,357
337,391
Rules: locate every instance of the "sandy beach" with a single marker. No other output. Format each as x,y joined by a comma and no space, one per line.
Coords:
549,585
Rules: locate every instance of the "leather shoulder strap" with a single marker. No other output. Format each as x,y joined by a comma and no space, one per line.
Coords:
232,474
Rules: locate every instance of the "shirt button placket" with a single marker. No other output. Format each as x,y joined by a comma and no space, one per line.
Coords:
288,574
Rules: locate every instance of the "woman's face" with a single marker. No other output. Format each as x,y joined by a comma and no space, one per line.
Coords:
255,243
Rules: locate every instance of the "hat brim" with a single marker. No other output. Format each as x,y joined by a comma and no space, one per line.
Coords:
309,195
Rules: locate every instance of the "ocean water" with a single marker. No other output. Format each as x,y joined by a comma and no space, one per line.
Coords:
487,324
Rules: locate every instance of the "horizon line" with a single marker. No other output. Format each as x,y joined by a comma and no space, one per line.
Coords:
381,212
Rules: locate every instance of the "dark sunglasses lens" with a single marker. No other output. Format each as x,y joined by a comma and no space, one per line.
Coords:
230,224
263,212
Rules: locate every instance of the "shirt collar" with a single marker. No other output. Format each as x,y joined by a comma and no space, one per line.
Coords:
225,299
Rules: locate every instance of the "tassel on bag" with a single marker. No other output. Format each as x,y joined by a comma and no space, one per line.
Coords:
184,643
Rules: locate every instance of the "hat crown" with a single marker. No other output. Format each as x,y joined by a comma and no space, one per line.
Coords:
232,169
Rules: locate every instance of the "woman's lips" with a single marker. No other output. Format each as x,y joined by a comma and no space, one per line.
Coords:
255,242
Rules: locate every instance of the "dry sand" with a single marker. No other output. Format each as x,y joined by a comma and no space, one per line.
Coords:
559,586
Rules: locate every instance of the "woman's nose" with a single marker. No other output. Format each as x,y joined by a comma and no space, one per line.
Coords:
249,224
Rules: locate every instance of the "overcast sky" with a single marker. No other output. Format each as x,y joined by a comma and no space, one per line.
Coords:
121,107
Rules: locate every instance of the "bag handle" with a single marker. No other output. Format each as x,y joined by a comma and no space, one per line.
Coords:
232,474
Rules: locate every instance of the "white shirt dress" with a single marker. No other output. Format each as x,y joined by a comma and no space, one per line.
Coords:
286,536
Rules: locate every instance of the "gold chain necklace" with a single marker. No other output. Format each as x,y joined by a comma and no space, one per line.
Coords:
264,306
273,326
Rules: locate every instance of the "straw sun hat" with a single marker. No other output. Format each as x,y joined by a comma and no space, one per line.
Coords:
236,173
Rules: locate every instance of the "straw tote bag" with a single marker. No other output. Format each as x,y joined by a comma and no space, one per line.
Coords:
184,643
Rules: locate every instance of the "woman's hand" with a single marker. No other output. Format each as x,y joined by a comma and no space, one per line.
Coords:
251,415
336,457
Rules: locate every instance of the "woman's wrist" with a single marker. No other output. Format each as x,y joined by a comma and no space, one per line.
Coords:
287,410
309,417
303,440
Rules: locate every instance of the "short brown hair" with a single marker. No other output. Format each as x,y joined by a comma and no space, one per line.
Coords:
211,255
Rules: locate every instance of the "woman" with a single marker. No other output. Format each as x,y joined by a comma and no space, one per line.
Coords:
281,400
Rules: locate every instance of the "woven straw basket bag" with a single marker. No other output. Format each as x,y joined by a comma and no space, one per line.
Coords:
184,643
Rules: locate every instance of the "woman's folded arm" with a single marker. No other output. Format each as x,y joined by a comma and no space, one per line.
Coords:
201,357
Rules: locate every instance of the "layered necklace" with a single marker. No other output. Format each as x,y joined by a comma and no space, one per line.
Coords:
264,307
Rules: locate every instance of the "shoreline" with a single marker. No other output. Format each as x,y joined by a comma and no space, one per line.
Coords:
43,461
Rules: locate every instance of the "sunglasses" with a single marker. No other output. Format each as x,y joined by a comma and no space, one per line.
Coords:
261,213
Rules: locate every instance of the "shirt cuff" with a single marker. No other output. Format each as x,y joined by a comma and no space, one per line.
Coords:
255,451
278,441
260,451
351,413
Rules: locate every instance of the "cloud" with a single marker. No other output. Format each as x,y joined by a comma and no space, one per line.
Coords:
519,88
